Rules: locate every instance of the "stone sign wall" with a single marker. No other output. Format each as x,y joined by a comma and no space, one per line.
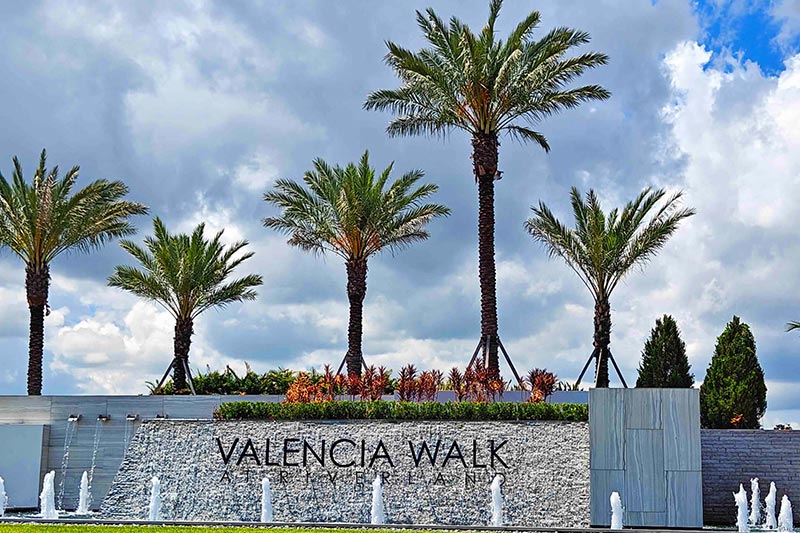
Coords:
433,472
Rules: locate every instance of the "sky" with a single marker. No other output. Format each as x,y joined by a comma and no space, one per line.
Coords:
200,106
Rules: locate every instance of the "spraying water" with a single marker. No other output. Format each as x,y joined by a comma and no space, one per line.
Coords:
3,498
47,499
755,502
497,502
616,511
741,510
155,499
85,496
785,519
378,512
770,501
72,426
266,501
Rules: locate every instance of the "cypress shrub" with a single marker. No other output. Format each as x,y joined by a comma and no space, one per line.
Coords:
664,363
733,394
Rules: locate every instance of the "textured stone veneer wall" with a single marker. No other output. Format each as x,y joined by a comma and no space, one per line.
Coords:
731,457
546,470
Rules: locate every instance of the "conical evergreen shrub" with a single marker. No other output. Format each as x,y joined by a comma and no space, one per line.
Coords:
733,394
664,363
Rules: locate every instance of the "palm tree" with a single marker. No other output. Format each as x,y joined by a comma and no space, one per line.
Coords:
351,212
39,221
186,275
486,86
602,249
792,325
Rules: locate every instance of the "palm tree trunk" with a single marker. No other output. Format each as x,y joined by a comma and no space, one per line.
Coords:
484,160
356,291
37,286
602,339
184,328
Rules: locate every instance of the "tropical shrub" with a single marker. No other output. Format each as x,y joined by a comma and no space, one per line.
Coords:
664,361
478,383
399,410
542,384
733,393
275,381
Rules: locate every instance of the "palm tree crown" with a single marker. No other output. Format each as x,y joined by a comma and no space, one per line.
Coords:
486,86
792,325
42,219
482,84
353,212
186,275
601,249
39,221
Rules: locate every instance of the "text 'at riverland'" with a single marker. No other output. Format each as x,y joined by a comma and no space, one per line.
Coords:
346,453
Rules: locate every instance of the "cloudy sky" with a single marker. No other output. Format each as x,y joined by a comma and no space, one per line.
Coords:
200,106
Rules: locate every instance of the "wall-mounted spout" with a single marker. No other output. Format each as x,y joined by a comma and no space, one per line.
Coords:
73,418
131,418
103,418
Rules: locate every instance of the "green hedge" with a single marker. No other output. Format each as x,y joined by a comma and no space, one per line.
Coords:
395,410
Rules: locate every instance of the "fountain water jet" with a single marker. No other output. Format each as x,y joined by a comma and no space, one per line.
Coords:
47,499
155,499
770,501
755,502
785,518
85,495
616,511
497,502
741,510
266,501
3,498
378,512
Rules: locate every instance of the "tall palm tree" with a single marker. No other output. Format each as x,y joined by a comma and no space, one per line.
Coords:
486,86
351,212
602,249
186,275
40,220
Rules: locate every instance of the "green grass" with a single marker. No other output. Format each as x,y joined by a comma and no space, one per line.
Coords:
50,528
396,410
